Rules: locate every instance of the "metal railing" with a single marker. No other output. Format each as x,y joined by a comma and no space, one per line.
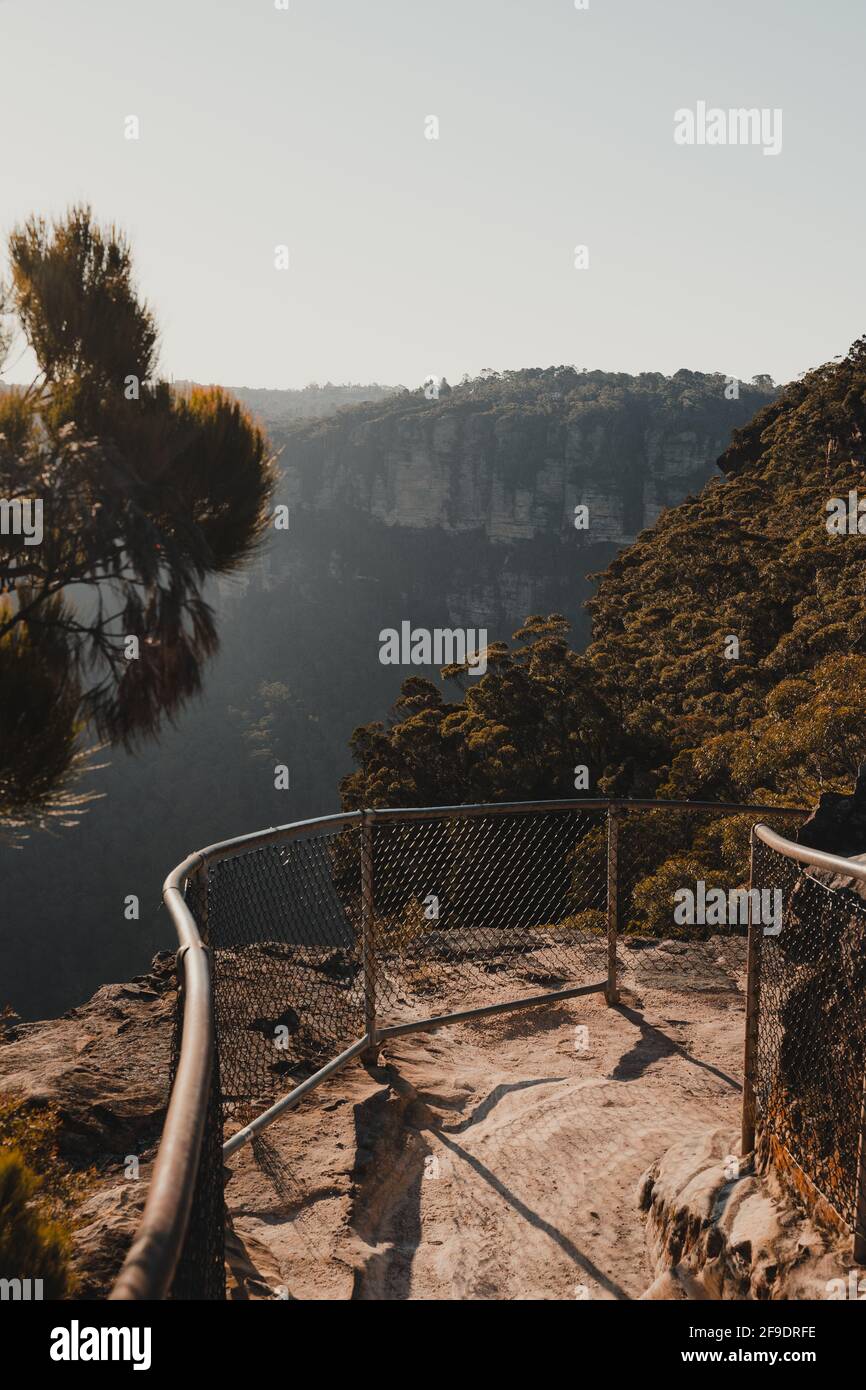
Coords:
804,1090
153,1256
301,944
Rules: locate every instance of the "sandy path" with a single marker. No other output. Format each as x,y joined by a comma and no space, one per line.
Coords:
497,1159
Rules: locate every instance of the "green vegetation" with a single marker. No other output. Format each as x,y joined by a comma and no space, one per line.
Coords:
31,1246
142,493
298,664
750,557
656,706
602,425
38,1192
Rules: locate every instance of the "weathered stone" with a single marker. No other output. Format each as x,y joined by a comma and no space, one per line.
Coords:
838,822
104,1068
713,1236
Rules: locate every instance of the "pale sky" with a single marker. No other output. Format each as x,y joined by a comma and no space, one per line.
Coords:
409,256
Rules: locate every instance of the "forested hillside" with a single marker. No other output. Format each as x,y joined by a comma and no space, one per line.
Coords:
728,649
727,660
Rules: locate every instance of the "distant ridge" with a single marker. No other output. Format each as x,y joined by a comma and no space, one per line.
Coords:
281,407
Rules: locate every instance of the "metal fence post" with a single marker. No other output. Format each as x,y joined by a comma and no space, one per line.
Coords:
202,875
860,1203
368,937
753,1005
611,993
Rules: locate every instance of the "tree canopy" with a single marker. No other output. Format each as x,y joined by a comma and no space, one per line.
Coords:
144,493
727,660
662,702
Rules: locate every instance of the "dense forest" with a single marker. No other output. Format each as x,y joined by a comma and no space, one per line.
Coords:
728,650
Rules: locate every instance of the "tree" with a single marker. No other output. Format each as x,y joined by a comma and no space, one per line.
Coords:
119,498
518,733
662,703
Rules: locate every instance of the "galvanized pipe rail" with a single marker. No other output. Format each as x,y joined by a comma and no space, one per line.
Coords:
152,1258
149,1266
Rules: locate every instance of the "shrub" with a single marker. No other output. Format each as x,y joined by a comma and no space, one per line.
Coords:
654,896
32,1246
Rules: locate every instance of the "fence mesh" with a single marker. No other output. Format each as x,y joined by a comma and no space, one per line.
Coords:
663,851
809,1065
479,906
510,902
284,927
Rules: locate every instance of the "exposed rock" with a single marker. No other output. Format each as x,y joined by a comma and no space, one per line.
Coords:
508,476
838,822
103,1065
105,1225
104,1068
472,497
716,1232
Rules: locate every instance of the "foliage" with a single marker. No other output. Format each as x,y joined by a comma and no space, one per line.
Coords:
655,706
37,1194
601,423
33,1131
31,1246
653,897
146,492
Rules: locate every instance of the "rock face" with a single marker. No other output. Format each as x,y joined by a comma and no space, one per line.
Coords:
714,1232
480,473
501,465
104,1069
838,825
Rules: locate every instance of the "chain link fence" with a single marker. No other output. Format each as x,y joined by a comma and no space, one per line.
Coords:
808,1007
497,903
327,937
663,851
284,928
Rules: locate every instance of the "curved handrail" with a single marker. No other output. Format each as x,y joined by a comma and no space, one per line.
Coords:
150,1263
815,858
240,844
581,803
841,867
152,1258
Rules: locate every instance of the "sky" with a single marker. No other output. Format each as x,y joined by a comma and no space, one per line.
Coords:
409,257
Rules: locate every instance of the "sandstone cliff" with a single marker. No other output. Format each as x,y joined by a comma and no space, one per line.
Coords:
477,489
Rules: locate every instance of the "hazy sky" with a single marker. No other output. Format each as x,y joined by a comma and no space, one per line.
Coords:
410,256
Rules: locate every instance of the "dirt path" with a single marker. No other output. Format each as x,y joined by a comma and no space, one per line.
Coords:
497,1159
